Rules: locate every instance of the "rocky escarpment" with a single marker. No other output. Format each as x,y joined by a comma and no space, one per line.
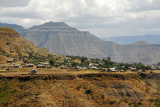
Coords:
155,76
136,76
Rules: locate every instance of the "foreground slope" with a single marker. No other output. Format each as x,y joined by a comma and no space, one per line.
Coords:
80,90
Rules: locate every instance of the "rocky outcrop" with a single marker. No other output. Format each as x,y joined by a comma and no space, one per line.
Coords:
155,76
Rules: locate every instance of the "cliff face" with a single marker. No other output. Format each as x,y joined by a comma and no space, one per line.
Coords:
60,38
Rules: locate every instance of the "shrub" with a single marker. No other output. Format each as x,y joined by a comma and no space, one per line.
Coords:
88,91
113,102
83,59
140,77
102,96
79,87
52,62
140,103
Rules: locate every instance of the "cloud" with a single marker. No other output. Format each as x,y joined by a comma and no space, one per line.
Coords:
84,14
13,3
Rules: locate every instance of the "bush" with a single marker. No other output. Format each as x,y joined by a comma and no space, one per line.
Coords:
83,59
52,62
140,103
79,87
113,102
102,96
140,77
88,92
75,64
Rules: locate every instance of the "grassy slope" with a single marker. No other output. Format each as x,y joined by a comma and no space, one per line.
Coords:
86,91
16,42
10,40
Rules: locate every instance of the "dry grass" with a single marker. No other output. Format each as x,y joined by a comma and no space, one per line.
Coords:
89,92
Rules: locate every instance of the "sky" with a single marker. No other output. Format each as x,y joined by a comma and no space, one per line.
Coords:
103,18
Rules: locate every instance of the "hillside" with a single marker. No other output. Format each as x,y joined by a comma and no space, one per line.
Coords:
77,90
13,46
153,39
62,39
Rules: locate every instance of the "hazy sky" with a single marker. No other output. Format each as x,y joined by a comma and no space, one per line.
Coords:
103,18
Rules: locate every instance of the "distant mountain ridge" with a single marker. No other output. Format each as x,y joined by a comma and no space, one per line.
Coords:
62,39
153,39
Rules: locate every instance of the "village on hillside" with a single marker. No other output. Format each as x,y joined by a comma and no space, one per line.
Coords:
33,63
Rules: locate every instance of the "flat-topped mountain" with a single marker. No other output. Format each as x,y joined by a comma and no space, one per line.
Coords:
52,26
62,39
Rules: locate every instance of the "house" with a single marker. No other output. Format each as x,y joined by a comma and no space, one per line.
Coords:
104,69
40,66
2,67
78,67
29,65
112,69
9,61
33,71
90,65
95,68
84,67
96,64
133,69
16,65
46,65
63,67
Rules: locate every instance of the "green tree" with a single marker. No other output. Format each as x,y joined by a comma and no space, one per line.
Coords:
52,62
30,54
75,64
83,59
108,62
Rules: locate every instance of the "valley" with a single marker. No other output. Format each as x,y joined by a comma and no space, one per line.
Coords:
33,76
